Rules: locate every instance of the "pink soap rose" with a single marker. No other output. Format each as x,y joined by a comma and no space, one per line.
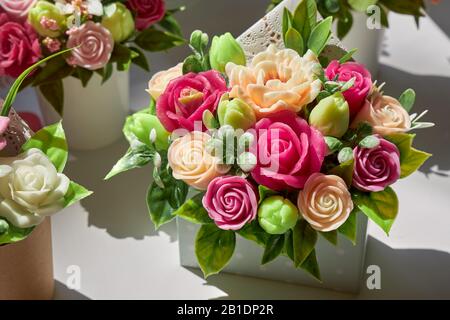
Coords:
19,47
288,151
96,45
376,168
4,122
148,12
186,98
357,94
231,202
17,10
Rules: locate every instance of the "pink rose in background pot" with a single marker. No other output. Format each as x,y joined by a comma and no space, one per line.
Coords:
96,45
357,94
4,122
148,12
288,151
19,47
17,10
376,168
231,202
187,97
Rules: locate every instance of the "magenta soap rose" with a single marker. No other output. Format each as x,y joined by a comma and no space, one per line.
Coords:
17,10
376,168
19,47
95,46
187,97
358,93
288,151
147,12
231,201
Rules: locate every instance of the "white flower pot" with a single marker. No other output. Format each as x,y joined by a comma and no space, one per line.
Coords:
367,41
93,116
340,266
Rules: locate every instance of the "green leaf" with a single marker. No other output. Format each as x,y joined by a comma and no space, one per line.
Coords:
349,228
140,60
214,248
121,55
287,20
289,244
332,6
134,158
14,234
311,265
305,17
411,7
293,40
12,93
253,232
155,40
84,75
55,69
361,5
348,56
192,64
330,236
320,36
75,194
51,141
170,24
345,171
54,93
265,192
407,99
162,202
305,239
107,72
410,159
193,211
344,24
273,249
381,207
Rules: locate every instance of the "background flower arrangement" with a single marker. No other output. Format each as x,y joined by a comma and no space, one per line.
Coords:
102,33
33,185
279,150
341,10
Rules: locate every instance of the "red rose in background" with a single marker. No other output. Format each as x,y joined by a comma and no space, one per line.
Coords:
148,12
19,47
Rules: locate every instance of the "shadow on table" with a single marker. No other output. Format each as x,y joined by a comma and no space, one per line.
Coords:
118,205
439,14
62,292
433,94
405,274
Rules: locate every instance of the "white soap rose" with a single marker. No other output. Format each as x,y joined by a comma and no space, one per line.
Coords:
30,188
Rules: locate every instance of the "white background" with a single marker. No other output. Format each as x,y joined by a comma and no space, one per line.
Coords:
110,237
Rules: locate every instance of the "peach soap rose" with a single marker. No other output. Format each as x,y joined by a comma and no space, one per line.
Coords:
275,80
191,162
325,202
160,80
385,114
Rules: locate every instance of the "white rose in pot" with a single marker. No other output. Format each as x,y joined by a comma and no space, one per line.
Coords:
30,188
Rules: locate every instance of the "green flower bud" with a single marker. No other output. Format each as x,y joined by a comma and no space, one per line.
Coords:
277,215
4,226
247,161
235,113
119,21
225,49
331,116
47,19
142,126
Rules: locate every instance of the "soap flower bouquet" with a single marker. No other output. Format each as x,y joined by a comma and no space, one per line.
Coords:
342,10
32,183
280,150
103,33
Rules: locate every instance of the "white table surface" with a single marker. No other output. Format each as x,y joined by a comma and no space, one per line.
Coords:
110,237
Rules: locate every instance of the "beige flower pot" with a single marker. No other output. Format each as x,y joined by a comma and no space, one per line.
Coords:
26,267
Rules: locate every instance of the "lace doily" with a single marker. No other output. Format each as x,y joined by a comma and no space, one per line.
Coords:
268,31
16,135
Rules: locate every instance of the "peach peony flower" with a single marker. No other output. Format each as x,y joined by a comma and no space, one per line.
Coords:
160,80
325,202
385,114
276,80
191,162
